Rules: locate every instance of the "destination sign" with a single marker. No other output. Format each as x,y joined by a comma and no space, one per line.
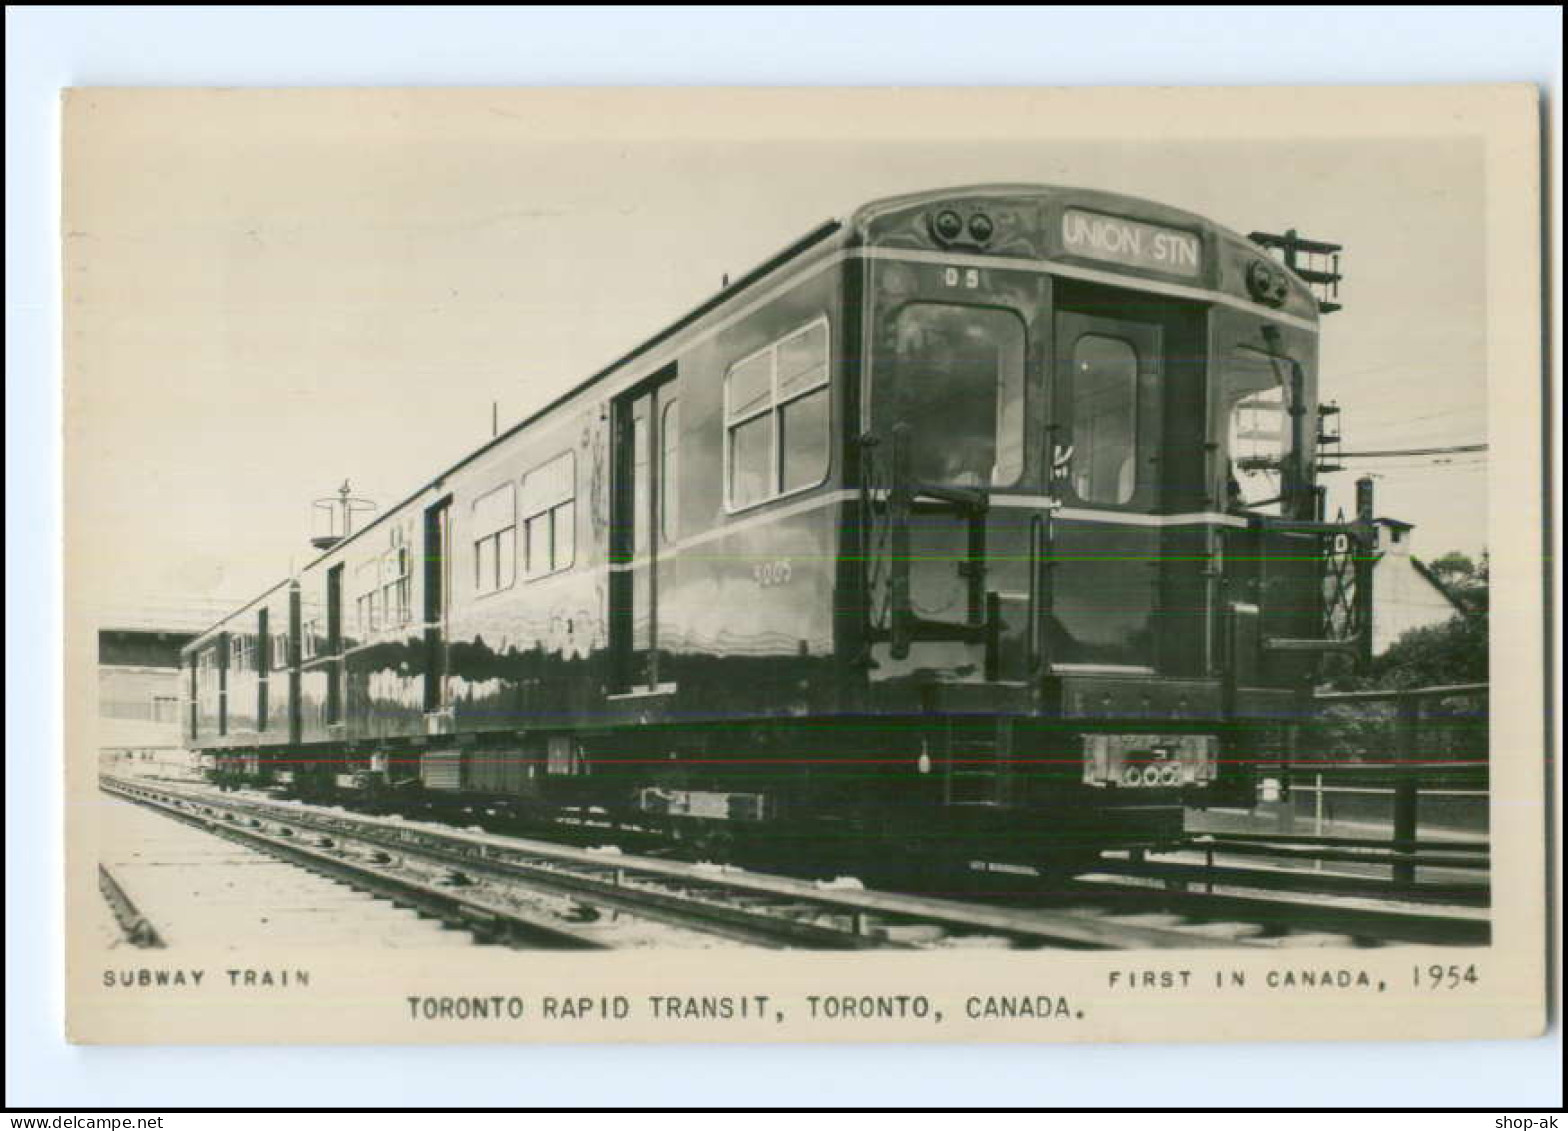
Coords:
1131,243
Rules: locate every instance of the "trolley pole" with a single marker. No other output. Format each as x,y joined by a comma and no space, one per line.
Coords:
1365,560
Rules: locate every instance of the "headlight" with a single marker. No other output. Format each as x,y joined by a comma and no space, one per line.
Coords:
948,225
1266,282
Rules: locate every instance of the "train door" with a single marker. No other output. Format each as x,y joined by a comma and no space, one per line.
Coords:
642,527
1104,444
224,655
293,659
438,596
264,648
335,645
195,690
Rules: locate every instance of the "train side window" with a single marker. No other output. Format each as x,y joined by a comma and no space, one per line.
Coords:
550,517
309,633
803,408
405,585
1258,403
386,581
367,600
751,450
776,418
394,587
280,651
495,540
1104,419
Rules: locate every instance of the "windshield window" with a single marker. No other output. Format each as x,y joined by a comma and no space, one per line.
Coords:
1259,426
959,374
1104,419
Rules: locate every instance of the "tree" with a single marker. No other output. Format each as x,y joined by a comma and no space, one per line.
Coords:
1453,566
1437,655
1465,579
1452,652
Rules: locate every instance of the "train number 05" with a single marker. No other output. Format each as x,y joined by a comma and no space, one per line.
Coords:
769,574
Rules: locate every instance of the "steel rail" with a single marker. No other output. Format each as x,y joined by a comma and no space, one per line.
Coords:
1382,853
509,926
137,928
1469,847
772,909
1376,924
775,910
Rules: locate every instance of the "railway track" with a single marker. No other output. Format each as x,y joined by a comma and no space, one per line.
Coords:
1294,918
171,887
1452,873
515,891
531,893
137,929
1263,877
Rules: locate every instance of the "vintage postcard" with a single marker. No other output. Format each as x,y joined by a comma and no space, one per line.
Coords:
804,565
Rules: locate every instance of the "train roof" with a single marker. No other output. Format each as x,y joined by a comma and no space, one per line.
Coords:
1138,208
852,231
271,591
812,239
1142,206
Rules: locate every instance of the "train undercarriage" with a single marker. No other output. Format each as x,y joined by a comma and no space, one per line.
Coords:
896,800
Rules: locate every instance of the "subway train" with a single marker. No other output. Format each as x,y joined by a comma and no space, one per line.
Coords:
980,525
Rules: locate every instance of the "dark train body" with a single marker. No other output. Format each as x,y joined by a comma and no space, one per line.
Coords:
931,535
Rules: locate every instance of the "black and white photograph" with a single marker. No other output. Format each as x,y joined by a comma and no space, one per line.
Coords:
808,565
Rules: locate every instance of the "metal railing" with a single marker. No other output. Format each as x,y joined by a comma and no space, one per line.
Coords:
1402,742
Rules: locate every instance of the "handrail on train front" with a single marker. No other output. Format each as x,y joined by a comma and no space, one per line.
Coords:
903,495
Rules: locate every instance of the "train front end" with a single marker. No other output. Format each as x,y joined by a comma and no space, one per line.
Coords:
1092,550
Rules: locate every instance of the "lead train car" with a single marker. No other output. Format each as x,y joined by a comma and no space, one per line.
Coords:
980,523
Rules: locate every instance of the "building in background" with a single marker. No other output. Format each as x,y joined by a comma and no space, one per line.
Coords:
139,693
1405,593
139,686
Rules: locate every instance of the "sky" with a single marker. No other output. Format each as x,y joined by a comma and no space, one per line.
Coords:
268,295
